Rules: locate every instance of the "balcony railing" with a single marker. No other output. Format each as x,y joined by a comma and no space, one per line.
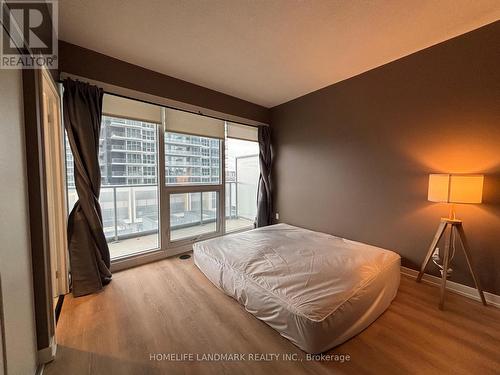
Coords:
127,210
169,151
118,135
183,141
130,211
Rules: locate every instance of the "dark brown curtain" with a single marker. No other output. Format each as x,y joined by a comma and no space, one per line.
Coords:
88,249
264,194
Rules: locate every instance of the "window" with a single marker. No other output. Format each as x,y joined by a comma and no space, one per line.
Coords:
134,171
149,147
148,135
182,156
149,159
195,201
193,181
193,214
133,133
133,181
149,171
129,190
134,158
133,146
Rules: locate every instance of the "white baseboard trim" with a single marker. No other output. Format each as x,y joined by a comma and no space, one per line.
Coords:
463,290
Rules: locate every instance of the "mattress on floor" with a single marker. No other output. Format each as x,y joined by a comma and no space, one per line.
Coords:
315,289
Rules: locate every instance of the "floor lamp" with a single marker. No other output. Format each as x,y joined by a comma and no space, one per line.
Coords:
452,188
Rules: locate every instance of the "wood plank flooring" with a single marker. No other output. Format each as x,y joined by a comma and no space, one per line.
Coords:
170,307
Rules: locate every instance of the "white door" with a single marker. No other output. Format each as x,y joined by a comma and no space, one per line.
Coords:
53,137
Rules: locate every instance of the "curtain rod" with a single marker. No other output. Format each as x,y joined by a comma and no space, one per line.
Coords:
161,101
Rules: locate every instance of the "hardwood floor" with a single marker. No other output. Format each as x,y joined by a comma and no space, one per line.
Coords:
170,307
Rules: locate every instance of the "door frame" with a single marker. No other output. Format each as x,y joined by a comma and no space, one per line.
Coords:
38,220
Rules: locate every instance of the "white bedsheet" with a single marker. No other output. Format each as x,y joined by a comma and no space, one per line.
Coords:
315,289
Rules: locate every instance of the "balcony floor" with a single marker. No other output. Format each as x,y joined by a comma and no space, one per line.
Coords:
143,243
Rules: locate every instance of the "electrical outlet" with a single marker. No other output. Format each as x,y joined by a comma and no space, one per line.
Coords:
435,254
277,215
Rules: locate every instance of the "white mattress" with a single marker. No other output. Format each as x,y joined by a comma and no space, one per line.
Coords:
315,289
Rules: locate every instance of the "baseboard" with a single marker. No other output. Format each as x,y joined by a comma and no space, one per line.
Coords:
463,290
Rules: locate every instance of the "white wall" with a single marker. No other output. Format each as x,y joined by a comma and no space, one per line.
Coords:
15,255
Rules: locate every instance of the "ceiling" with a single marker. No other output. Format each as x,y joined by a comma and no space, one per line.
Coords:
266,51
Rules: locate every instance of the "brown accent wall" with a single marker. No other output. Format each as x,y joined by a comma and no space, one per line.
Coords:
90,64
353,159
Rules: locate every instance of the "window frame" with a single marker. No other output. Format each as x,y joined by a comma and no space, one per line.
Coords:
167,244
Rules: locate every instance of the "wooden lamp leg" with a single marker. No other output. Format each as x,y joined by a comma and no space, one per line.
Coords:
455,225
465,247
446,263
437,237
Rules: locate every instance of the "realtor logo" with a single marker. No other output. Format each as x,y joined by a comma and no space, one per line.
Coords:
29,34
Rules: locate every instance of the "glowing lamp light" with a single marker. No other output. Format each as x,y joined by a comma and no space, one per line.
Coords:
455,188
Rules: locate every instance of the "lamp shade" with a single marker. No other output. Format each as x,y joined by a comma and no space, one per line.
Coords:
455,188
